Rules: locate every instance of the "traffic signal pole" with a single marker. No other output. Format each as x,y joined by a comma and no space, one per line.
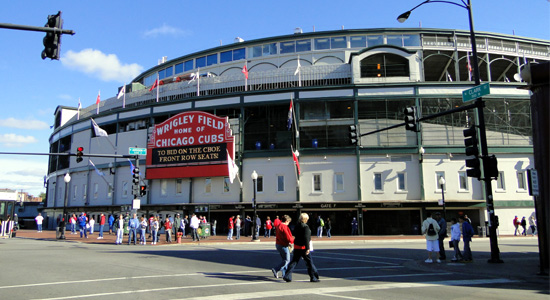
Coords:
36,28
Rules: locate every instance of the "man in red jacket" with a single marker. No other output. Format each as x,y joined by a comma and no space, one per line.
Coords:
101,225
283,243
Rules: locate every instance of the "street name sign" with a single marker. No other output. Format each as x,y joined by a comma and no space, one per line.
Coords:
137,151
475,92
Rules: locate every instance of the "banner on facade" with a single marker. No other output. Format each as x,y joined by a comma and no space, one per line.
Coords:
190,144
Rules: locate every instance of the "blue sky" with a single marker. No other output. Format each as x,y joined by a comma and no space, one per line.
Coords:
117,40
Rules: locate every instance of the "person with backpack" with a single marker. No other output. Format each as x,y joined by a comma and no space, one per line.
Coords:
430,228
320,225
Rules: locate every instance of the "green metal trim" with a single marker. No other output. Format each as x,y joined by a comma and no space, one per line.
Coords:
515,203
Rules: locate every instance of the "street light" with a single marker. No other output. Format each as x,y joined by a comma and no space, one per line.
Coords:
442,185
495,252
63,224
254,176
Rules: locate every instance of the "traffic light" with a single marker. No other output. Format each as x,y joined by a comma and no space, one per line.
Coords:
353,137
411,118
135,176
142,190
52,40
79,154
472,149
490,167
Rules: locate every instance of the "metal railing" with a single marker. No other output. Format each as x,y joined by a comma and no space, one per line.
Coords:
324,75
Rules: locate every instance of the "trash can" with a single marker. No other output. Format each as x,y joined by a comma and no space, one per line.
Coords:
482,231
58,232
204,230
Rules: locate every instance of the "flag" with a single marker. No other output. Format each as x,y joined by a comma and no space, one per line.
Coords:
154,85
122,92
232,167
97,100
96,170
245,71
469,67
297,68
295,155
97,130
289,117
78,110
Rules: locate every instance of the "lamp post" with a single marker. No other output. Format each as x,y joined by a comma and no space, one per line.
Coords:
254,176
63,224
442,186
493,220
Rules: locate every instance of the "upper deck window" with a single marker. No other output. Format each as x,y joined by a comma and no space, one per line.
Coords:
375,40
358,41
338,42
212,59
200,62
188,65
178,68
322,44
262,50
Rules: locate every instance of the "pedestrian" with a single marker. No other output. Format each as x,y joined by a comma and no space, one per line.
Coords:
302,249
73,224
430,228
155,230
531,225
320,225
186,225
142,229
39,219
257,226
467,234
455,239
91,224
268,227
82,222
523,224
214,224
111,223
168,229
16,222
516,225
328,227
283,244
194,224
177,225
230,228
119,225
442,234
150,223
101,225
354,226
238,223
133,225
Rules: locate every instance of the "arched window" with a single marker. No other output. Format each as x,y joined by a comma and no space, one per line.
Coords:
384,65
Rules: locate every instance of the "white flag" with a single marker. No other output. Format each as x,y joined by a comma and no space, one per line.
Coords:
233,169
97,131
122,92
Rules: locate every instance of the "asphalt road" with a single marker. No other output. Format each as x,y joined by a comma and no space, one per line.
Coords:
42,269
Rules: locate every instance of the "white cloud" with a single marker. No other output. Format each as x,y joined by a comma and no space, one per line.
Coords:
23,173
106,67
14,140
166,30
23,124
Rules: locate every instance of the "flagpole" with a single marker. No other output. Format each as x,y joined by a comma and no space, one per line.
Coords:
297,134
294,163
78,111
246,77
299,72
158,87
124,97
198,81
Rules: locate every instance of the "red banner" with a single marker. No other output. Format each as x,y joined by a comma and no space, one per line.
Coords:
190,144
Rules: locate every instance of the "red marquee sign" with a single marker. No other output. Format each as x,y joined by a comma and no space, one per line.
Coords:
190,144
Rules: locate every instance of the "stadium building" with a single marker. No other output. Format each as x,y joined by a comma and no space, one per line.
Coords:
268,103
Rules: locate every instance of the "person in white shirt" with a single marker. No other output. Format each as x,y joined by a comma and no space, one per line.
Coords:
194,224
455,239
39,220
431,229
